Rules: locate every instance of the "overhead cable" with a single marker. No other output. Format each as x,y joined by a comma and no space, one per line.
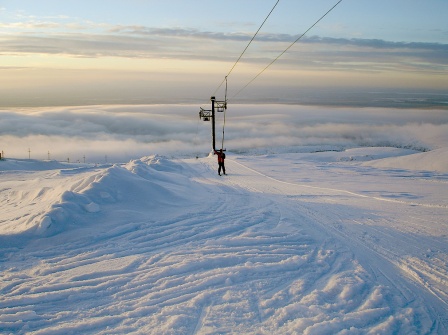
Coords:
247,46
281,54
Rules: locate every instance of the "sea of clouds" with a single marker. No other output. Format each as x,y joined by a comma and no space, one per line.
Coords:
119,133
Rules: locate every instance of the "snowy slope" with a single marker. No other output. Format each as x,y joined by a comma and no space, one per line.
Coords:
434,160
285,244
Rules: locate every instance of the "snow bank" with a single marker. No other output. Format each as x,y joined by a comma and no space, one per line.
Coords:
435,160
380,157
55,201
350,155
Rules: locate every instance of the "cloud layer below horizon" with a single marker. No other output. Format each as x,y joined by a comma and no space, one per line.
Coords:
125,132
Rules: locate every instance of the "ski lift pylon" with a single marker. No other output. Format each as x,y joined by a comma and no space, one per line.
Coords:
209,114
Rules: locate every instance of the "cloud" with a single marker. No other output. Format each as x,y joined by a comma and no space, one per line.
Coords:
179,32
125,132
273,37
378,43
67,62
188,44
375,50
92,123
30,25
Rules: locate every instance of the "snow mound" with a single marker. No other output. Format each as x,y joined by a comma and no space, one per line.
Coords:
56,201
161,163
435,160
354,154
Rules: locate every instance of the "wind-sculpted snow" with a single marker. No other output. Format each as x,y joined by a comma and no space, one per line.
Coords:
286,244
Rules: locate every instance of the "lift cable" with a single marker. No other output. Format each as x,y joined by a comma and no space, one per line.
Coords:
225,110
281,54
247,46
225,78
204,113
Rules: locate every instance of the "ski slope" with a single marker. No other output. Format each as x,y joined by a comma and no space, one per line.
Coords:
351,242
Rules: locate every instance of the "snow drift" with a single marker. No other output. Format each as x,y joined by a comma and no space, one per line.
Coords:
303,243
435,160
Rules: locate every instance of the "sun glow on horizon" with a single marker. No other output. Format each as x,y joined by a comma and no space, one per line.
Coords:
88,57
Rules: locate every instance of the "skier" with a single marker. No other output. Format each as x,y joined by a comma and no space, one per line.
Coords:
221,158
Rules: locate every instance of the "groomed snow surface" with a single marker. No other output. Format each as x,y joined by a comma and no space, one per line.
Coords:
351,242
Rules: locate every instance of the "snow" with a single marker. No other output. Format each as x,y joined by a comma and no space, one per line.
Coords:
435,160
331,242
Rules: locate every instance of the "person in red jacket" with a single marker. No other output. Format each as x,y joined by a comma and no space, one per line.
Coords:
221,158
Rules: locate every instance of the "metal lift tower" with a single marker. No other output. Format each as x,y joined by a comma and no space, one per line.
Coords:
209,114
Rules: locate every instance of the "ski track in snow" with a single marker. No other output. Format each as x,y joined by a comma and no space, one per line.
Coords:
169,247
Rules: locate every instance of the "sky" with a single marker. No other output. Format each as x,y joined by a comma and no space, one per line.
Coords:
58,53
